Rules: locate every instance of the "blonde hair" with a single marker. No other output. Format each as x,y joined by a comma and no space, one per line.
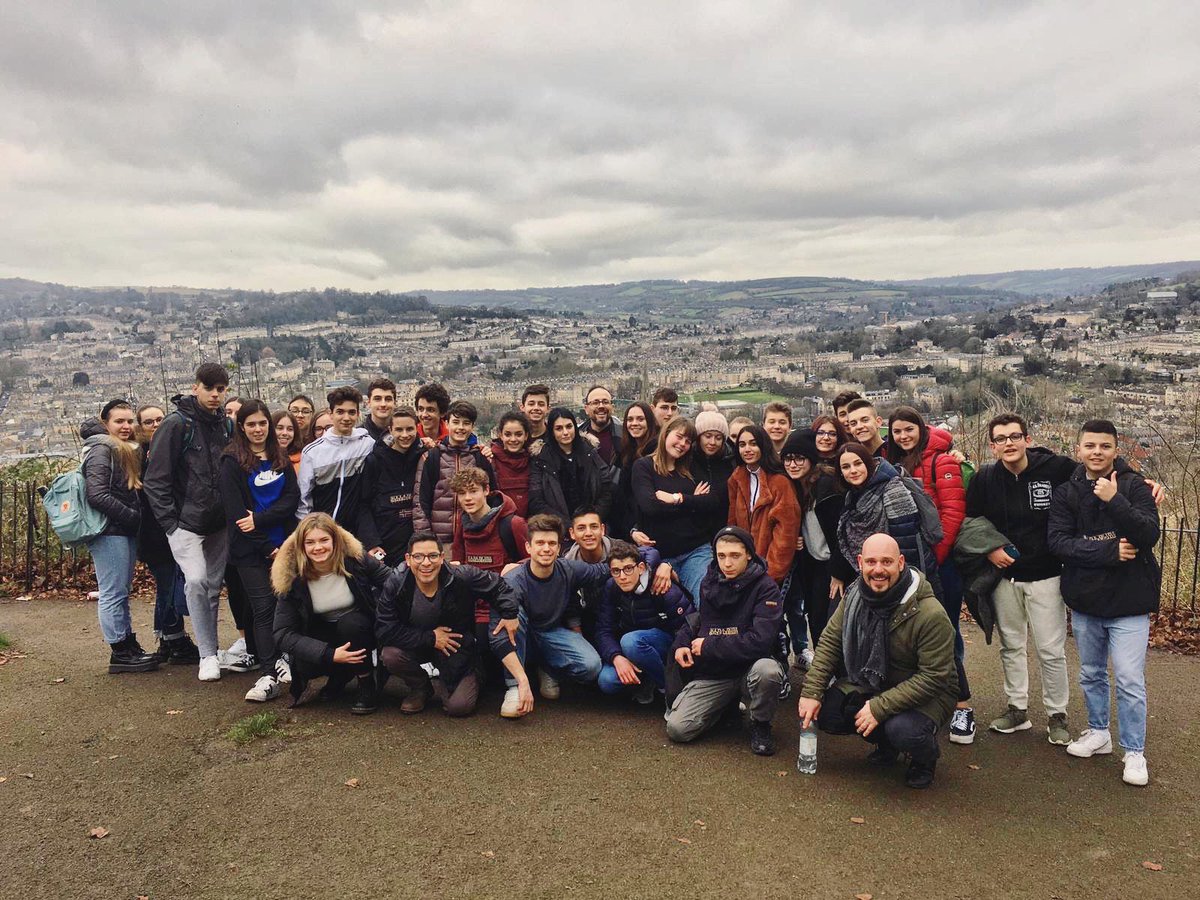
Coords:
323,522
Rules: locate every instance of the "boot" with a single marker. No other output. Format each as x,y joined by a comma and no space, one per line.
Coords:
368,696
920,774
418,695
128,656
761,741
182,652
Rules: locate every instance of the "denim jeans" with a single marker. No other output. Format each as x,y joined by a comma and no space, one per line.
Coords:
562,651
690,567
647,649
114,556
1124,640
170,602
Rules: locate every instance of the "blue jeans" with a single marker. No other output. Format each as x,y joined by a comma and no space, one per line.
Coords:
170,601
114,556
1124,640
647,649
690,567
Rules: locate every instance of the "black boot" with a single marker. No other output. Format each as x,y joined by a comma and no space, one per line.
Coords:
761,741
368,696
182,652
128,656
920,774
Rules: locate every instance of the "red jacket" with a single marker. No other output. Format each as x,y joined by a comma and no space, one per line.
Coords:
480,544
941,476
775,521
512,475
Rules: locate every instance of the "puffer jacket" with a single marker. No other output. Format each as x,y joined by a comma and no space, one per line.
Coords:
480,544
181,482
546,494
740,620
1084,533
883,505
941,476
107,489
435,508
512,476
618,613
774,522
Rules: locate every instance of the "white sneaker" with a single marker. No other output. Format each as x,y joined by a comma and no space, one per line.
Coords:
237,648
210,669
283,672
1092,742
266,688
806,657
1135,769
511,707
241,662
547,685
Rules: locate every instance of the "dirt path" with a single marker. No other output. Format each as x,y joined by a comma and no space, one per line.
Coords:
584,798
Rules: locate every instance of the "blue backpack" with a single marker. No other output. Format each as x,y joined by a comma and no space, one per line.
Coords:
68,512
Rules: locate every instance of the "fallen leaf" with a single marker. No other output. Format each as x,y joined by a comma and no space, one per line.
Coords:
973,766
98,832
26,774
683,840
862,897
58,681
115,756
1152,866
858,820
174,712
700,822
781,774
352,783
3,778
488,854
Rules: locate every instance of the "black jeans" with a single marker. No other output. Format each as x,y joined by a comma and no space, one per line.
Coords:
357,628
256,582
908,732
239,605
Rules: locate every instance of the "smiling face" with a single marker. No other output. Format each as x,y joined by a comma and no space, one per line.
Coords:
404,432
827,438
459,429
513,436
345,417
120,423
777,426
854,470
677,444
430,416
382,403
543,547
425,560
285,432
599,407
587,531
1097,452
748,450
880,562
732,557
635,423
256,428
906,434
864,425
564,433
796,466
318,547
535,407
712,443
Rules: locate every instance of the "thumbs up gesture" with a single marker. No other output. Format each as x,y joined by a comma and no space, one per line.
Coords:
1106,487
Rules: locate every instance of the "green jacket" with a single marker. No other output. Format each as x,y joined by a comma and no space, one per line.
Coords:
921,672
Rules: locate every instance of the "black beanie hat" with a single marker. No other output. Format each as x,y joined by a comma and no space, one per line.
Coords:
737,534
802,442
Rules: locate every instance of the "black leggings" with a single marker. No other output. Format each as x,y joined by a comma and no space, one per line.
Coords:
256,583
239,605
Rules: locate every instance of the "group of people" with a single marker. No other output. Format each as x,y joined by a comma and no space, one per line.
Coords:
658,556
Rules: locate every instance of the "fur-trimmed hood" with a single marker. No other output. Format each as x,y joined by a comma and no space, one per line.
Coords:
286,566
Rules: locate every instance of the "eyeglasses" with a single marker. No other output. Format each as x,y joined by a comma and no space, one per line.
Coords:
826,434
792,460
1010,438
301,410
157,421
599,403
422,557
623,570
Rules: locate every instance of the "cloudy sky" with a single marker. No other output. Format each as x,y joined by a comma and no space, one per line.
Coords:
503,143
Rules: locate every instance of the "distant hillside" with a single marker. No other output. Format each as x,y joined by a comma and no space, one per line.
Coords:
1060,282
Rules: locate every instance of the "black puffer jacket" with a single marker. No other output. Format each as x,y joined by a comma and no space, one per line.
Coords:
1084,533
385,516
593,484
106,487
181,482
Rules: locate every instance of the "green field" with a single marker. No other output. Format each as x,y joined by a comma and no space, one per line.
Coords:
740,395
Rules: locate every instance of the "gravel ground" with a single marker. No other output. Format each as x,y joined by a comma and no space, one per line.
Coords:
583,798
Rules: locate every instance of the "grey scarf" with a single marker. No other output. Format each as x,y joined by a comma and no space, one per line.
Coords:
865,630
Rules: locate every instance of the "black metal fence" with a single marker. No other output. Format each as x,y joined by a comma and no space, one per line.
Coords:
31,557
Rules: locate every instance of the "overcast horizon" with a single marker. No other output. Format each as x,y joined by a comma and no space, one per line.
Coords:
411,146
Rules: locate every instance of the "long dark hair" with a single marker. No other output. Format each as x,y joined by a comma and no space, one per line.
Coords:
631,451
769,461
297,443
910,460
239,445
862,453
579,445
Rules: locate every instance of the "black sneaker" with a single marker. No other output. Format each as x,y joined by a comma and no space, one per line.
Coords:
920,774
962,726
128,656
182,652
368,697
761,741
883,756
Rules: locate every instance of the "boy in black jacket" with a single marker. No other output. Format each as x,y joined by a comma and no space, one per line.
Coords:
730,649
385,517
1104,525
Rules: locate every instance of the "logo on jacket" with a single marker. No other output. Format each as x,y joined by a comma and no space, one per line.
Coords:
262,479
1040,494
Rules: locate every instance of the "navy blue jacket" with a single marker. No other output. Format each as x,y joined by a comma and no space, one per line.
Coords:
619,613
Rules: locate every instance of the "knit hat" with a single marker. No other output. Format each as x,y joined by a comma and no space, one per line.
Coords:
802,442
737,534
711,420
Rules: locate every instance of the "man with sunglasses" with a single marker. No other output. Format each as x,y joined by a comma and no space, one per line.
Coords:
1015,494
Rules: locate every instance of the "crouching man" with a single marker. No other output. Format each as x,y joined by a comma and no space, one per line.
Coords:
893,639
430,620
730,650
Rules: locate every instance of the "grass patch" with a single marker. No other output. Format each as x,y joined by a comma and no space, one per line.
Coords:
5,641
251,728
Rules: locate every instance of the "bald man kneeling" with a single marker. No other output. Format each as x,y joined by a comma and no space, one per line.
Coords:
897,646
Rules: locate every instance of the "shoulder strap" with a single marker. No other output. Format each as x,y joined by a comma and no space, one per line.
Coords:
507,538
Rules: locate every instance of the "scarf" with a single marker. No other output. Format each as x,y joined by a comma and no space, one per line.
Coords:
865,631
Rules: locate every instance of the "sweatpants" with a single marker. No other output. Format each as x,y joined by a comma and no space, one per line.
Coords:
202,559
702,703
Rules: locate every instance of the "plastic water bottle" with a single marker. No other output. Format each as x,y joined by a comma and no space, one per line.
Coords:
806,760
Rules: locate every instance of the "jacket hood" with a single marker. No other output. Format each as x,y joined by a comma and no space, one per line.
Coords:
415,449
92,428
286,567
356,435
190,407
754,570
1119,466
1037,457
727,592
514,460
884,472
939,441
499,506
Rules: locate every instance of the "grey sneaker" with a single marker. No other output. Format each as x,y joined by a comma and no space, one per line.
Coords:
1056,728
1013,720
